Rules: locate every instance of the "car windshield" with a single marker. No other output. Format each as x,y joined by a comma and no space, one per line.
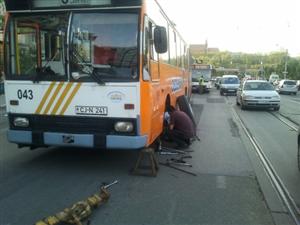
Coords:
230,80
258,86
105,44
289,82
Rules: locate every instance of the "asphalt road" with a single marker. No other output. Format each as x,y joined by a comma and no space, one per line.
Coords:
228,188
290,107
278,141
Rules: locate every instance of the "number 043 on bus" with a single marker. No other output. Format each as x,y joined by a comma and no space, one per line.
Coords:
100,72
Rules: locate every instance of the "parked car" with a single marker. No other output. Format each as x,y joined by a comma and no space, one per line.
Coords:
287,86
229,84
257,94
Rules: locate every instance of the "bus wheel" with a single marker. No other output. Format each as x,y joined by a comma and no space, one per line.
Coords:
185,106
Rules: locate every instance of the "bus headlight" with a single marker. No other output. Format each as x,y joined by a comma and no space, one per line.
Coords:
123,126
21,122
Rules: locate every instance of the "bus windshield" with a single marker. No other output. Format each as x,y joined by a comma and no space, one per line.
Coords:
36,46
197,74
96,47
104,45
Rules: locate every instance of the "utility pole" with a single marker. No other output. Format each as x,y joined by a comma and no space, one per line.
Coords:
262,72
285,72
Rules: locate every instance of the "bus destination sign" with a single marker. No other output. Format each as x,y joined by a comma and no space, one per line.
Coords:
66,3
201,67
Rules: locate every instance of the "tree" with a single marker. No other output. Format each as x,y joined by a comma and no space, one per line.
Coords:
270,63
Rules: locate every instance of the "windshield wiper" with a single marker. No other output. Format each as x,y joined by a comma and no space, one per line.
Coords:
89,69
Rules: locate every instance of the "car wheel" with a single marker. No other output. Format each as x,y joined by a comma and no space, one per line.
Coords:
276,108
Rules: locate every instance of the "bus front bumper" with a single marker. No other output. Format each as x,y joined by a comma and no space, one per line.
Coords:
29,138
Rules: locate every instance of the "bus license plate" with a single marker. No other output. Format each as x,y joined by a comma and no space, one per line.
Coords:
91,110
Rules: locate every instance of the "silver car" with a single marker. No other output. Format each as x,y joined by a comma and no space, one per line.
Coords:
257,94
287,86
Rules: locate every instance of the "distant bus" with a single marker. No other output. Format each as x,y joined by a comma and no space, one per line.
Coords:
96,74
204,71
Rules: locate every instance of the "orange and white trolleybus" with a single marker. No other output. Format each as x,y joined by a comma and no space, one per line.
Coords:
91,73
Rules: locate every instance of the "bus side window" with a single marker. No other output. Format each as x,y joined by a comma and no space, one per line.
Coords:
146,43
153,54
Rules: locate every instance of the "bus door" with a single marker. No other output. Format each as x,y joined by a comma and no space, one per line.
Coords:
155,89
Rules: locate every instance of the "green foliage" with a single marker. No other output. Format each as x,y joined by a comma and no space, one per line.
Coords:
254,64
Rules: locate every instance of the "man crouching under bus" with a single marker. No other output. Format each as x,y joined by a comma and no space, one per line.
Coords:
180,127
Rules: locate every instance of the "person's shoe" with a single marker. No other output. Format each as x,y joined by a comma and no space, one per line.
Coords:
188,141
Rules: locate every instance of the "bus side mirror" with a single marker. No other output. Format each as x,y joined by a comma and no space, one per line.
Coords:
160,39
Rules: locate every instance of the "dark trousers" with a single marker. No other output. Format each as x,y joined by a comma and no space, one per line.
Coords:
178,137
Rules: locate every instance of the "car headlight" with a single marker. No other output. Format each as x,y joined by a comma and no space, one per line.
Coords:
248,97
21,122
124,126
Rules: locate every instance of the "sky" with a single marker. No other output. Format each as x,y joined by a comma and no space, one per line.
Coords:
252,26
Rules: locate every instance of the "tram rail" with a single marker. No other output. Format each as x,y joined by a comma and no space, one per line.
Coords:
278,184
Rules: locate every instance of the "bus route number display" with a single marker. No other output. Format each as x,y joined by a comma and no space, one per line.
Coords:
201,67
55,3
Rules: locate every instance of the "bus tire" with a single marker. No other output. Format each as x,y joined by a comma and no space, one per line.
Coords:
185,106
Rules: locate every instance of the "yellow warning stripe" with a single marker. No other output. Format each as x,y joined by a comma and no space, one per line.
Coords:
61,98
44,99
68,102
59,86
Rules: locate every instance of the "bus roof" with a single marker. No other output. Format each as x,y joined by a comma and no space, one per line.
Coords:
21,5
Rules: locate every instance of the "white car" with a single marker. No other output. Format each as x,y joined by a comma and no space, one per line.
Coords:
229,84
257,94
287,86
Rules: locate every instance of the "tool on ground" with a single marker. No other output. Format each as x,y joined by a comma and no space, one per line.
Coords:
172,150
80,210
167,164
179,162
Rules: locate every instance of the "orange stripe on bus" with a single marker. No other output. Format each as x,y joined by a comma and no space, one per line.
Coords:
68,102
59,86
61,98
45,97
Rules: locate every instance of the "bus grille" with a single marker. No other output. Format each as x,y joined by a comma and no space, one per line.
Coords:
70,124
